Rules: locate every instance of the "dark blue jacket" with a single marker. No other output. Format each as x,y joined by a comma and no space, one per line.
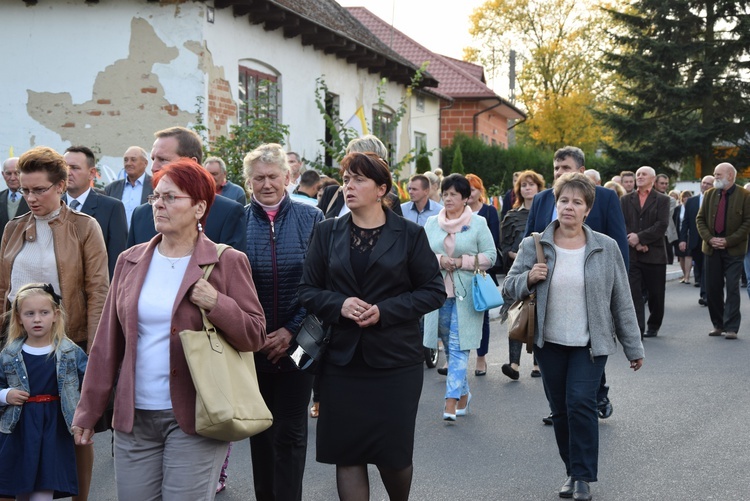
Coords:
277,254
605,217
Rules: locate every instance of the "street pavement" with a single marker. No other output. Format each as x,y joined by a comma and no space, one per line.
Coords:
678,431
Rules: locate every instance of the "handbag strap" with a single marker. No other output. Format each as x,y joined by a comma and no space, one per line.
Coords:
207,269
537,243
333,198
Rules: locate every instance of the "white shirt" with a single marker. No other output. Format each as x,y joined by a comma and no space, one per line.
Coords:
155,304
81,199
566,320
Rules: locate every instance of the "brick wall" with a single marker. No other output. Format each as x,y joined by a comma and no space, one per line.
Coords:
222,109
490,125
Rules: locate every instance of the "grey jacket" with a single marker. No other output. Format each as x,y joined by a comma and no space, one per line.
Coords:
71,364
609,306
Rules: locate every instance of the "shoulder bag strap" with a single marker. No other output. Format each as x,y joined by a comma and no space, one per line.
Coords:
220,248
333,199
538,245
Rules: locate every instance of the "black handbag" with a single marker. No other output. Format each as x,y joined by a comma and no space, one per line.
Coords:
310,343
312,339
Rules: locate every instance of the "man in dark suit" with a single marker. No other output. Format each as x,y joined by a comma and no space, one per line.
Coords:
605,217
108,211
226,223
690,239
646,214
136,187
12,204
723,222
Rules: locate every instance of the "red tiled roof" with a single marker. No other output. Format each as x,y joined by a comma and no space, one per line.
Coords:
457,79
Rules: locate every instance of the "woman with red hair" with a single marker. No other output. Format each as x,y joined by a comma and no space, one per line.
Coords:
158,291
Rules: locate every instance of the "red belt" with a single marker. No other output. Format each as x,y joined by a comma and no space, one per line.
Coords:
43,398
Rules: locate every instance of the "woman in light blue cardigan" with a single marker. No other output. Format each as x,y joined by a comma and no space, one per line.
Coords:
460,239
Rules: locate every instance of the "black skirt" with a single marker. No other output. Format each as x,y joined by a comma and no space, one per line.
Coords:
367,415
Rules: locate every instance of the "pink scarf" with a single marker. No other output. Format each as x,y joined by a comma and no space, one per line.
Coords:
453,226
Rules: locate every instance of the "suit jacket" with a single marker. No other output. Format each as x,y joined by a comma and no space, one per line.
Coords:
115,189
605,217
23,208
338,203
237,314
226,224
650,223
688,230
737,223
234,192
403,280
109,212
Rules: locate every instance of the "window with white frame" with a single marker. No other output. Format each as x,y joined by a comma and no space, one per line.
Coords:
384,128
259,95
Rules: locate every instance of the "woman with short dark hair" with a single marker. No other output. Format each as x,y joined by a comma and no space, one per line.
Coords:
370,276
461,242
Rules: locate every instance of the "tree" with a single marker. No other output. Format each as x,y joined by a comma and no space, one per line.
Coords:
457,165
558,43
684,83
423,161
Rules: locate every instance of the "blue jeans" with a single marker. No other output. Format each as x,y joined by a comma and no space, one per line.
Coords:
571,379
456,384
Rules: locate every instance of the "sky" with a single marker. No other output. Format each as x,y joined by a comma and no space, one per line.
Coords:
440,25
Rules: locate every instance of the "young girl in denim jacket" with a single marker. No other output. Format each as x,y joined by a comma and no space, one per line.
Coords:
40,384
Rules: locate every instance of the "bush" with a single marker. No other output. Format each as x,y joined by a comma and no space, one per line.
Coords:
457,164
423,161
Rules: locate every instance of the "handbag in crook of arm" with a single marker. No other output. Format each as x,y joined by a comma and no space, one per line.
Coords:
483,289
522,313
228,403
312,339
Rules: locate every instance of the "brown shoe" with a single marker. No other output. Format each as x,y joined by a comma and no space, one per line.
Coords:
731,335
716,332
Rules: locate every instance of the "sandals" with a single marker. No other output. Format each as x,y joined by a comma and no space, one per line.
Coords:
315,410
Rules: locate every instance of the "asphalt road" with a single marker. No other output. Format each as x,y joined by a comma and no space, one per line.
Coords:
678,431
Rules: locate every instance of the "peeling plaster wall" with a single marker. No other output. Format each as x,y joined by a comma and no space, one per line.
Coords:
106,75
231,40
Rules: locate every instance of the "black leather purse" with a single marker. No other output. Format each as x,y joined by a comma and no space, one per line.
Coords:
312,339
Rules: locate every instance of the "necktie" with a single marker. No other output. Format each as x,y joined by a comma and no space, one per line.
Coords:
75,204
721,214
13,196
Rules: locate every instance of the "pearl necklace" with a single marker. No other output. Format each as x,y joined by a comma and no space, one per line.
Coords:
173,262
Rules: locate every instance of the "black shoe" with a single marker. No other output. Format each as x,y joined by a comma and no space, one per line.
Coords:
443,371
581,491
547,420
697,284
651,333
566,491
604,408
536,373
702,302
509,371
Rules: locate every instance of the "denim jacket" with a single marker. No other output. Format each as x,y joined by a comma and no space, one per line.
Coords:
71,364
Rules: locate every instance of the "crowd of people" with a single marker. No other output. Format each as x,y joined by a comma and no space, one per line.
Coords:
96,285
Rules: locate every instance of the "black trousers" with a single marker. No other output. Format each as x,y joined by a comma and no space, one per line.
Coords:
698,275
279,453
652,278
721,269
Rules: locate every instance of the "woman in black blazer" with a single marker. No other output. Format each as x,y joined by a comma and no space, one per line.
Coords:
370,275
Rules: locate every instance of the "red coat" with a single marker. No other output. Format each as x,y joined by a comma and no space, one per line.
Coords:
238,315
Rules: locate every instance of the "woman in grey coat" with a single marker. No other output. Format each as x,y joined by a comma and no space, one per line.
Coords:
583,307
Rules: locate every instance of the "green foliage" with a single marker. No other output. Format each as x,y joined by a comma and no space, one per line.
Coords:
496,165
242,139
340,135
457,164
423,161
683,81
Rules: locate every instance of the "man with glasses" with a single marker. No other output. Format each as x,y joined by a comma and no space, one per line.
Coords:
12,203
226,221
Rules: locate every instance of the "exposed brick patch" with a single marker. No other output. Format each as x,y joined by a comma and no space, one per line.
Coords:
68,124
148,90
103,101
94,113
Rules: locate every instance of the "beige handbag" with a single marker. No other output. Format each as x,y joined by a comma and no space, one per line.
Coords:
228,403
522,313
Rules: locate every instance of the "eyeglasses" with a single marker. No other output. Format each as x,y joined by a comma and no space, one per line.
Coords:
168,198
37,192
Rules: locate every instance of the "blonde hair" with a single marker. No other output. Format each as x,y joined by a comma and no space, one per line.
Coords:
269,153
616,187
16,330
